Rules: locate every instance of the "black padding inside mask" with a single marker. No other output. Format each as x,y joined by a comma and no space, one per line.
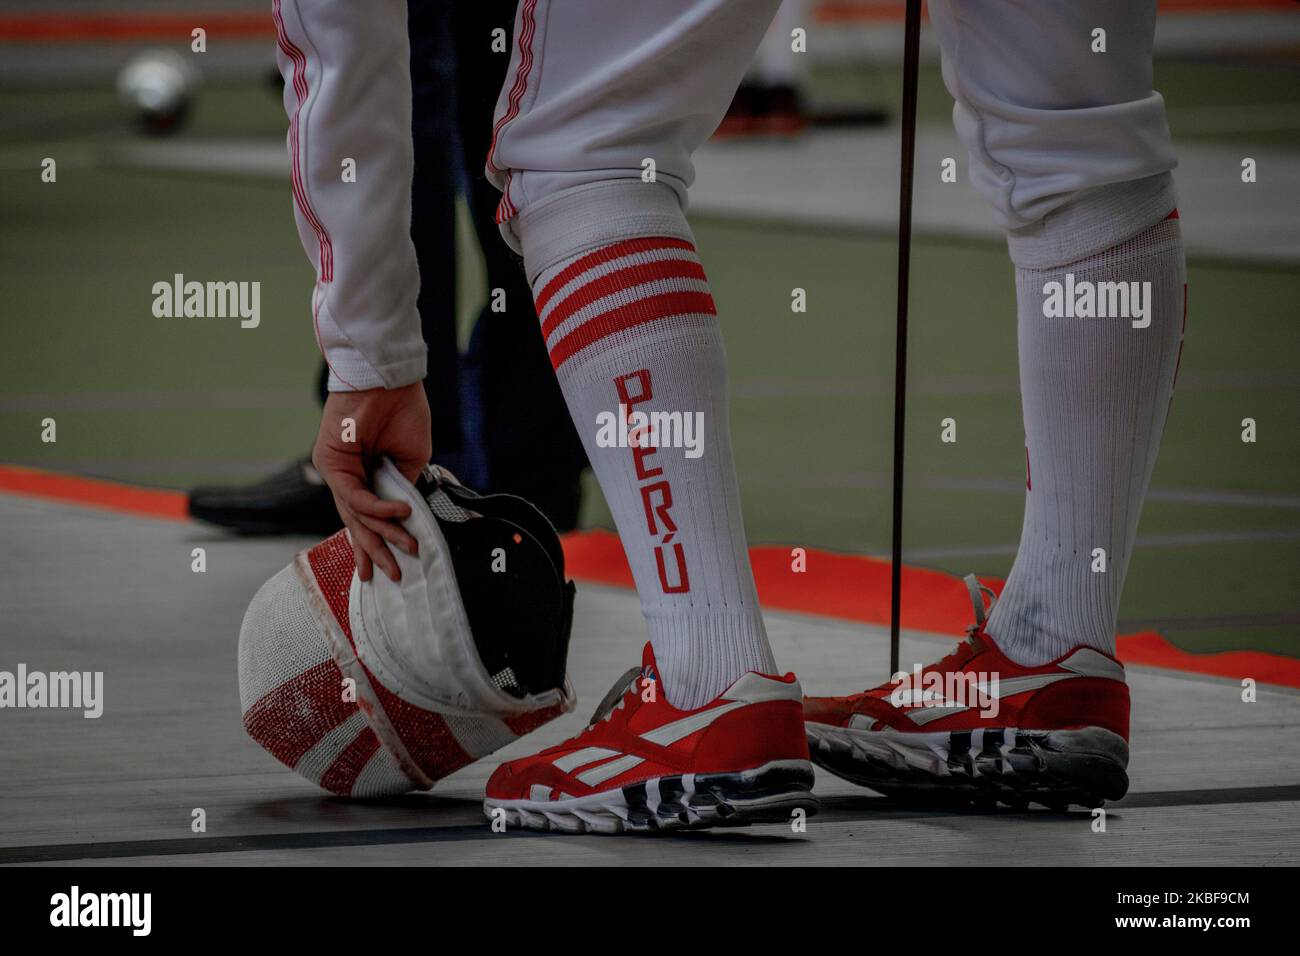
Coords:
510,571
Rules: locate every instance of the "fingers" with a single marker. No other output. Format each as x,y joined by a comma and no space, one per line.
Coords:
410,465
378,517
363,501
365,567
370,520
368,548
364,515
394,534
397,425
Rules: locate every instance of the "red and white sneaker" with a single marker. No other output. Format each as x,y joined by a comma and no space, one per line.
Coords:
979,728
643,765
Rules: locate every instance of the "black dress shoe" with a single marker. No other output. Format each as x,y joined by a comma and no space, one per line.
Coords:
292,501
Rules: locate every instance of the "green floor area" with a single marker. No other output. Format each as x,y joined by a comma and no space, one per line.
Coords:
171,402
1209,99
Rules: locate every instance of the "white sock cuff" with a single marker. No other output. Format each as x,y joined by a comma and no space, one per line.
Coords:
588,217
1096,219
701,655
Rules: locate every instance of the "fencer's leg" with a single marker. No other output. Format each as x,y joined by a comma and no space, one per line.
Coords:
1069,143
632,331
594,134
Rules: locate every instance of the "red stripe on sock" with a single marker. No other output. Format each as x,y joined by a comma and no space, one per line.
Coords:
607,254
1172,215
638,313
617,281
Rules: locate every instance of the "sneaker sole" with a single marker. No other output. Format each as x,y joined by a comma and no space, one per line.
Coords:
694,801
1055,768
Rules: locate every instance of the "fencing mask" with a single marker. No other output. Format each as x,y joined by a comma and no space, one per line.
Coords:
376,688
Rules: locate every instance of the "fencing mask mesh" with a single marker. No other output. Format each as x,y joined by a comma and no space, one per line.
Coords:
376,688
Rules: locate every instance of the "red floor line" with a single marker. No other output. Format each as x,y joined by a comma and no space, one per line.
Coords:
132,27
856,588
842,586
94,492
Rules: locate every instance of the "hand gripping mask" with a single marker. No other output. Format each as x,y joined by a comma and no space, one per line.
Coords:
376,688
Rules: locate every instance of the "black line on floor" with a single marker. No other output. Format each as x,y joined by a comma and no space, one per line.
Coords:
862,809
315,839
1210,798
849,807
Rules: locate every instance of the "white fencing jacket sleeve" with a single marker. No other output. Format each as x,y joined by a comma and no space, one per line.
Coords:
347,90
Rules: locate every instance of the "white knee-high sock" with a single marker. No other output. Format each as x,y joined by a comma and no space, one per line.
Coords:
632,331
1096,391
